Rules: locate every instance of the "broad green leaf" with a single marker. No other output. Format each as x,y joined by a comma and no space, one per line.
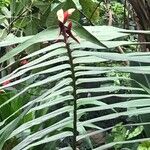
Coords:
49,139
129,104
38,135
2,18
116,115
49,79
66,148
77,4
109,145
83,33
39,120
48,95
10,127
18,73
105,33
3,34
46,35
11,39
107,89
137,131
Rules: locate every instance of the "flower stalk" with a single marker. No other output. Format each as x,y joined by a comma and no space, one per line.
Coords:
65,31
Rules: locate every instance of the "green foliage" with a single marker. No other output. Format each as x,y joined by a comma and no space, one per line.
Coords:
45,118
4,3
61,81
144,146
118,133
117,10
88,8
122,133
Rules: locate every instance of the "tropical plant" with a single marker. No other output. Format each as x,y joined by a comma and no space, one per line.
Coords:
46,102
122,133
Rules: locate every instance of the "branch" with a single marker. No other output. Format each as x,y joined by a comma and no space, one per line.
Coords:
18,17
124,13
110,16
120,50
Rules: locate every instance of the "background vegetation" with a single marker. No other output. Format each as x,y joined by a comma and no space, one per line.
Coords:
67,95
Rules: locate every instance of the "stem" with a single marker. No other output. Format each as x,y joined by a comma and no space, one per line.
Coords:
124,13
94,10
88,19
20,15
74,95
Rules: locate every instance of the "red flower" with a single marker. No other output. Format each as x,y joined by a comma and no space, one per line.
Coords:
6,82
23,62
63,16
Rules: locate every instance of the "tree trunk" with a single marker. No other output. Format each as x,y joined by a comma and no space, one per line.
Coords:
142,14
142,11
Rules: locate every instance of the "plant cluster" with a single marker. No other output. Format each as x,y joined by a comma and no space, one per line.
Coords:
68,86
